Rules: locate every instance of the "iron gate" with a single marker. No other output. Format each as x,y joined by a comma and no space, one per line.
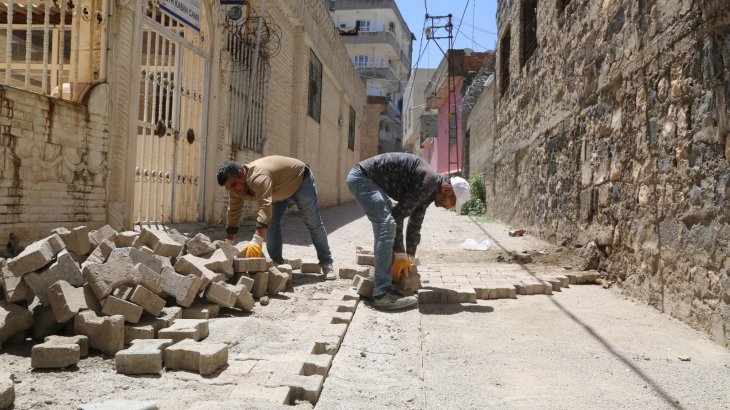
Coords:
171,119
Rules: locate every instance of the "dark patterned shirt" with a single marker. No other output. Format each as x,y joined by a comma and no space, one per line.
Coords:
412,182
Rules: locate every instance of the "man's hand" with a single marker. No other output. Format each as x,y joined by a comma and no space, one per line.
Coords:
402,263
253,249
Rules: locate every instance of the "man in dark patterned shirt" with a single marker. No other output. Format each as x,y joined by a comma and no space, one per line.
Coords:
410,181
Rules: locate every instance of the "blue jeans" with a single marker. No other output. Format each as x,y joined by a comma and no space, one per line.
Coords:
376,205
306,200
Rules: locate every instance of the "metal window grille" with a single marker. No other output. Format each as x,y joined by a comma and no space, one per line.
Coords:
529,29
52,47
314,101
351,131
249,86
504,54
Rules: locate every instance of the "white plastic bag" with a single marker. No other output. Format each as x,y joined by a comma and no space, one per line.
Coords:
472,245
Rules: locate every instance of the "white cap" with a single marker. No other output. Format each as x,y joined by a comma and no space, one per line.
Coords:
462,190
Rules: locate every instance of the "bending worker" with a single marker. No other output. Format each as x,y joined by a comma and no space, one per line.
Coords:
411,182
274,182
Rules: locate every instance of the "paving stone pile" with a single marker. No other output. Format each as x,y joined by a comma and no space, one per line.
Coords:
151,291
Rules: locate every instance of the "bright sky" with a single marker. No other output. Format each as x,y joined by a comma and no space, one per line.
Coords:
477,30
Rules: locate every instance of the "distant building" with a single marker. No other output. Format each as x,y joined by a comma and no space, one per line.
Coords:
380,44
414,107
444,153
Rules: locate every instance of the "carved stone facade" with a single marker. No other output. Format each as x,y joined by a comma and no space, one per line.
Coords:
53,162
615,130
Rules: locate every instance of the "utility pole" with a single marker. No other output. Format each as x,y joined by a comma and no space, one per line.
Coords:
453,157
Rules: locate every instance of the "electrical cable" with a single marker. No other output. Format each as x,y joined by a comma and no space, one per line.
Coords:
461,20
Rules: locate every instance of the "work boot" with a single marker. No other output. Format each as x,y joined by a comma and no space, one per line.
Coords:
392,301
328,271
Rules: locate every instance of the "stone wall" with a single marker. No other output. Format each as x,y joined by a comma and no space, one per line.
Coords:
53,162
615,131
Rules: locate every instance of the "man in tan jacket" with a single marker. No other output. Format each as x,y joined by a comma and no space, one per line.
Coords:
274,182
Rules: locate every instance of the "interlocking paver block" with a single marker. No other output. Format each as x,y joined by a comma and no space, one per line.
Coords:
125,239
223,293
192,265
310,267
316,364
349,272
327,345
245,280
204,358
58,352
104,278
105,334
153,262
246,389
13,319
335,329
76,239
410,285
294,263
200,245
98,236
161,243
195,329
277,281
182,288
466,295
66,300
230,250
219,262
14,287
64,268
365,259
286,268
302,387
142,357
260,284
145,298
245,301
101,253
150,279
7,391
36,255
148,327
364,286
247,265
201,310
502,291
144,329
115,306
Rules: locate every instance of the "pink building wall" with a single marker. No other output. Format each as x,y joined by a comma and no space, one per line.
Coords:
436,152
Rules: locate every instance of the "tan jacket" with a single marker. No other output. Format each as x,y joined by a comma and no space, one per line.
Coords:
268,179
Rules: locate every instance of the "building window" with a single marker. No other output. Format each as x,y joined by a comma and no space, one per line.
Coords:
363,25
391,27
351,131
361,60
561,4
529,29
504,54
314,102
343,26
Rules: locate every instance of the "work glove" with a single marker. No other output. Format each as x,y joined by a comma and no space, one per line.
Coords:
253,249
402,263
